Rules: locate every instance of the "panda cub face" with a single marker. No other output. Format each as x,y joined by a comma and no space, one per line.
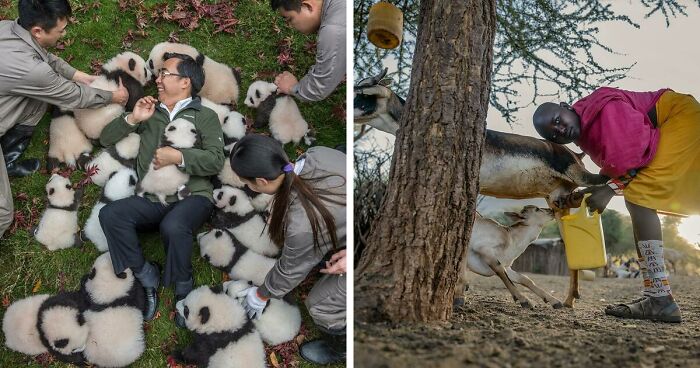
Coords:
121,184
233,200
103,286
180,133
258,92
131,63
59,191
217,247
61,324
209,310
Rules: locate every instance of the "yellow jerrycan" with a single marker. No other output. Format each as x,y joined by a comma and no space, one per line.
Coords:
583,238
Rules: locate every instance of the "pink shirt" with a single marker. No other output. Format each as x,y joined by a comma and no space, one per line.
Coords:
615,130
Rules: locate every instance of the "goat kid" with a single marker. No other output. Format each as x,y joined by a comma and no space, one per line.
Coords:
493,248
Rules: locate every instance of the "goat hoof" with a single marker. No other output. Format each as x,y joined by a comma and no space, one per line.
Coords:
526,304
558,305
458,302
466,287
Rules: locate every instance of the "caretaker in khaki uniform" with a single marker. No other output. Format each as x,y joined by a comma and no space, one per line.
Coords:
307,221
178,84
30,79
327,18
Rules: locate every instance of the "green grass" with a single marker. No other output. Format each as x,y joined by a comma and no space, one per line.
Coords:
98,35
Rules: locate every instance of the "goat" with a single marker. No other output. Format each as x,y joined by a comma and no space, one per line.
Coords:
512,166
493,248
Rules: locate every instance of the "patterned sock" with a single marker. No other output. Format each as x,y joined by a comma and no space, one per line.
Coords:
646,291
653,254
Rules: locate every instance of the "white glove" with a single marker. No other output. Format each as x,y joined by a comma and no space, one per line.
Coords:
253,304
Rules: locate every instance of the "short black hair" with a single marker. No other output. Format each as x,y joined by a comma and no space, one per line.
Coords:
188,67
42,13
286,4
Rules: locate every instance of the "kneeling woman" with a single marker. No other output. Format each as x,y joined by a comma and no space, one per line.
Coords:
307,221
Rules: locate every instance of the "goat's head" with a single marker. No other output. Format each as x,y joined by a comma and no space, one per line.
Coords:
372,104
532,216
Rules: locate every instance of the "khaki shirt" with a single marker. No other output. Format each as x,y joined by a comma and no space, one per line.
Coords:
323,168
31,78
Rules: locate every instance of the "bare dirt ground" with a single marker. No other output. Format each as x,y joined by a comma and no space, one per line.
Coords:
491,330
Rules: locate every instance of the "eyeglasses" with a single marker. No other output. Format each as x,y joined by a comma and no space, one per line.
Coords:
164,73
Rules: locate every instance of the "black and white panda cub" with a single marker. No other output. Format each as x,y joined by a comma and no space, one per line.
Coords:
168,180
222,82
62,328
234,128
280,320
110,159
121,184
58,227
67,143
280,112
132,71
222,250
224,337
236,213
114,314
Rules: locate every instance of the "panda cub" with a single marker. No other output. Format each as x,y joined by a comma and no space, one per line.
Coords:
280,112
236,213
222,250
234,128
58,227
179,133
120,155
221,82
280,320
19,325
131,70
121,184
224,337
102,289
62,328
67,143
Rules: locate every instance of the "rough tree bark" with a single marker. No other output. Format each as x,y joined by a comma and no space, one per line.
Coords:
409,268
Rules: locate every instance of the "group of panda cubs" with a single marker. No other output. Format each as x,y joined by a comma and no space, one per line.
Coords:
102,323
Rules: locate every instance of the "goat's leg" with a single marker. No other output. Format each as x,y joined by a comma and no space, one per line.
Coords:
573,289
461,285
497,267
528,283
573,292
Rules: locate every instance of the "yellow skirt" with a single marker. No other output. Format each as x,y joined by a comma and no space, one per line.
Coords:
671,181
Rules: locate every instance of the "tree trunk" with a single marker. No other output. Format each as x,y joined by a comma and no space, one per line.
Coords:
410,266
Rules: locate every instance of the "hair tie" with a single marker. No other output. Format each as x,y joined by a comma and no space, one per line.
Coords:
288,168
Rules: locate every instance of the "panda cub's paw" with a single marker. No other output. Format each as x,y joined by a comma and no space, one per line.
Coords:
183,192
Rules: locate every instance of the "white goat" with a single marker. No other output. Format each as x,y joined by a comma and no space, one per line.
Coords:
493,248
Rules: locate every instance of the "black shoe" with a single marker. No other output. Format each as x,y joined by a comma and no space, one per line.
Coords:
151,303
14,142
179,320
329,349
23,168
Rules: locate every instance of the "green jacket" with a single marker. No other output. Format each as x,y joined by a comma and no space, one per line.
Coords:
205,159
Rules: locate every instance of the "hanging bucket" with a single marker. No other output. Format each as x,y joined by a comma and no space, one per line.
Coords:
583,239
385,25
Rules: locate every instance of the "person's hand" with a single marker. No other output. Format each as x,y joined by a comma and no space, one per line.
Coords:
252,302
166,156
600,197
285,82
83,78
337,264
121,95
144,109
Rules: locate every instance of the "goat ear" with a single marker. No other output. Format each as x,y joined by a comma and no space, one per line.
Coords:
514,216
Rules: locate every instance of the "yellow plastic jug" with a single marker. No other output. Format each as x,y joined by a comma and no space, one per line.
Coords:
583,238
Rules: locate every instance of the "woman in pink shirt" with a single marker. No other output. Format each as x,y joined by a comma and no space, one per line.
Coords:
648,143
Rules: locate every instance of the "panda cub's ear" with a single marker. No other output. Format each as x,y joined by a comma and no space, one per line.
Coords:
204,315
132,64
217,289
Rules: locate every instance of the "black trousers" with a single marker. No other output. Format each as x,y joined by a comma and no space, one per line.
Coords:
122,220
